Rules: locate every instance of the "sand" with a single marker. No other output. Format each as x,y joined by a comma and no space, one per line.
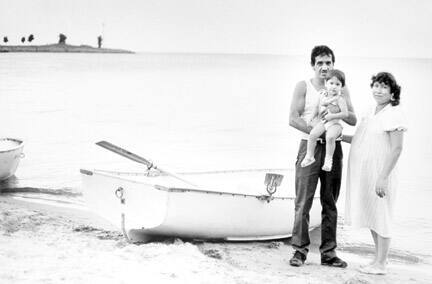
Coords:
42,243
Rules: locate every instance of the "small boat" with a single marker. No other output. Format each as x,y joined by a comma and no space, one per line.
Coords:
10,156
229,205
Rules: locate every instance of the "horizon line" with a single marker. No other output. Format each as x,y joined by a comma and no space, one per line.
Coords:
275,54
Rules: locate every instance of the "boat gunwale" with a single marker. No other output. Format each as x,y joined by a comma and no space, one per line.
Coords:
20,145
117,175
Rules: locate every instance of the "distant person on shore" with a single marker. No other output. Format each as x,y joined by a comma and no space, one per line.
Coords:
334,105
99,39
303,105
62,39
375,150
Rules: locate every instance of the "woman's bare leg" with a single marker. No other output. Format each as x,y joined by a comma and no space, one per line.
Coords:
382,250
382,246
375,239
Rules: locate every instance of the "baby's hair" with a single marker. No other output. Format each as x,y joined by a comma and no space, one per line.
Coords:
388,79
321,50
338,74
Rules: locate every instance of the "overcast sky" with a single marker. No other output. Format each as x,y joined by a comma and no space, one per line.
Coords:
394,28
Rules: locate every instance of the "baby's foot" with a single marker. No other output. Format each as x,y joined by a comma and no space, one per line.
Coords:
307,161
328,162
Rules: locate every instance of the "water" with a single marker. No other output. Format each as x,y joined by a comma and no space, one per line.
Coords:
194,113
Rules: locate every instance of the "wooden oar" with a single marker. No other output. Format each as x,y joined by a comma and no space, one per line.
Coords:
134,157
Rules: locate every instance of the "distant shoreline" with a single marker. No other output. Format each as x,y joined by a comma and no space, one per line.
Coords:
60,48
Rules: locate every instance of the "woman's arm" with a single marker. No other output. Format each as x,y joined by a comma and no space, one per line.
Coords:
347,138
396,142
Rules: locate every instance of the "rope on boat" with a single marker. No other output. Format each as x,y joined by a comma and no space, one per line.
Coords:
155,172
119,194
124,229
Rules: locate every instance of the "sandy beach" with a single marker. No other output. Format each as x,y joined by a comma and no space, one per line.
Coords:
42,243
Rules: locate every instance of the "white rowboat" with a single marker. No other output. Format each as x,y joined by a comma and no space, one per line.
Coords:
226,205
10,156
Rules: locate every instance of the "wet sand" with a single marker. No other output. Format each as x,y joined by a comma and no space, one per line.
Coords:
42,243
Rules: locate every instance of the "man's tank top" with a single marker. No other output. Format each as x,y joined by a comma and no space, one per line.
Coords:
311,103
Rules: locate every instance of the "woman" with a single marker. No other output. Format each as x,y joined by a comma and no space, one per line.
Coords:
375,150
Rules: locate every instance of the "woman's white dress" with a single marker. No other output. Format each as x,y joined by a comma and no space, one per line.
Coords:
369,148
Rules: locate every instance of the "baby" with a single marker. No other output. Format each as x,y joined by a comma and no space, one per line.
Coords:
332,106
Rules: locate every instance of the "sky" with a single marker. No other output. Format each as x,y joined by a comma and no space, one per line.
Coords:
371,28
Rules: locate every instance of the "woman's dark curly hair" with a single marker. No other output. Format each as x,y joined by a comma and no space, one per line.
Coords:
388,79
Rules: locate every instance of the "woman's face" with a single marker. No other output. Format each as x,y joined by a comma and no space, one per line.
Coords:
381,93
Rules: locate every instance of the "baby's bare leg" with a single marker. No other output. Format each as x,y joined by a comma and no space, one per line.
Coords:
315,133
332,133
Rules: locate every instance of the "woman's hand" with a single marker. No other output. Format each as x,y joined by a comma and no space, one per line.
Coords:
346,138
381,186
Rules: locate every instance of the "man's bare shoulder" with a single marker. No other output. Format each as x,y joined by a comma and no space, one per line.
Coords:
341,100
345,91
301,84
300,88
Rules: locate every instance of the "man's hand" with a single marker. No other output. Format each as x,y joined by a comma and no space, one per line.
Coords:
329,116
315,121
321,116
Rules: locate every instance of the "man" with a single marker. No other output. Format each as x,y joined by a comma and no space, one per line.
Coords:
304,102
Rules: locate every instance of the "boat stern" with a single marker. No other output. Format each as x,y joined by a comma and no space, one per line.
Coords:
127,204
11,153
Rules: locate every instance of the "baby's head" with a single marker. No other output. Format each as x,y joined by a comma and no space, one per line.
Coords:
335,81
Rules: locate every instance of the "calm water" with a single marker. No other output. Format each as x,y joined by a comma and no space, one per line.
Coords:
194,113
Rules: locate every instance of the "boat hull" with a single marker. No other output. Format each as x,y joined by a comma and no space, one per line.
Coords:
154,207
10,156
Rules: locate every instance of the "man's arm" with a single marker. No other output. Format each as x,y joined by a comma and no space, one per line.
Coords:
351,119
297,108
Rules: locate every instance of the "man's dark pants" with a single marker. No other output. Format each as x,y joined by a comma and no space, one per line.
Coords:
306,180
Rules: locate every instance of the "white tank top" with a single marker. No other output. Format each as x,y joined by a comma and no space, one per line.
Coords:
311,103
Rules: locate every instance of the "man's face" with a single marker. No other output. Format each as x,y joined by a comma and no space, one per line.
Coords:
323,63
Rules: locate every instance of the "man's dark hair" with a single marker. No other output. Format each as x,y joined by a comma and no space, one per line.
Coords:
388,79
338,74
321,50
